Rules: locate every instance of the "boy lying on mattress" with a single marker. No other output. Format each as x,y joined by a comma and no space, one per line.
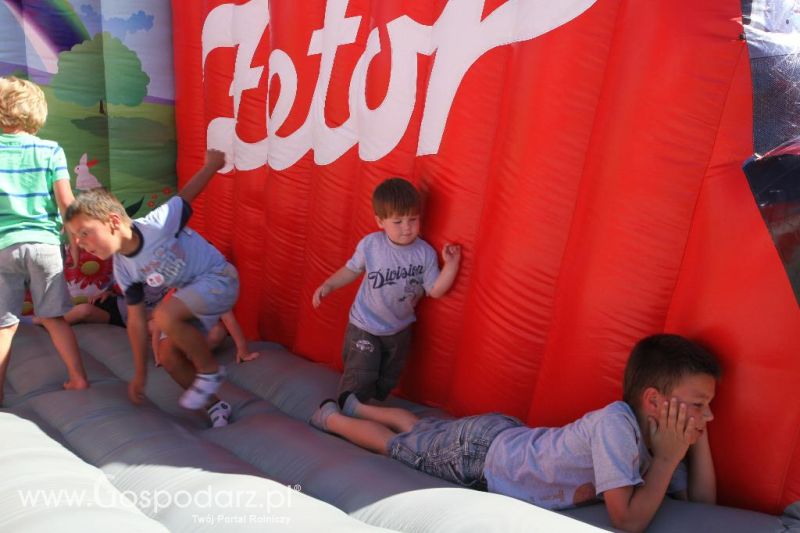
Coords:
629,453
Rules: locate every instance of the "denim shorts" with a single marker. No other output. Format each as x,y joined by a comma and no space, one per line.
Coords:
41,267
453,450
211,295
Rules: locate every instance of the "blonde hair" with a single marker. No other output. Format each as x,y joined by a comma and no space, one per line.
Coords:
98,204
22,105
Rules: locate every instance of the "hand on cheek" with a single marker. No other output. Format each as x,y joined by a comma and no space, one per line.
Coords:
673,432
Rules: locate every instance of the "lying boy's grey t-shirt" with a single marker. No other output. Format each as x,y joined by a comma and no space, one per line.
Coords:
561,467
396,277
171,255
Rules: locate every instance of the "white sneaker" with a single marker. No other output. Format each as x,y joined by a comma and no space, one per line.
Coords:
202,389
220,414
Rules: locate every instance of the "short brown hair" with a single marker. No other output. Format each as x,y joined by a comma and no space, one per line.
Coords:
661,361
22,105
395,196
98,204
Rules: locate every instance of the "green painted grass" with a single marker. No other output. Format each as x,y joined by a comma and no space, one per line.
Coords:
135,147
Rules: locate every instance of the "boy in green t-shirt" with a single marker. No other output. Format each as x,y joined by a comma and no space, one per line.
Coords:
34,191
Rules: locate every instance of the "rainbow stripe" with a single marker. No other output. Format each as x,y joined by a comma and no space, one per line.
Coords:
52,20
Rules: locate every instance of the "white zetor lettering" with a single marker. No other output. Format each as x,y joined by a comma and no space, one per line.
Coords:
459,37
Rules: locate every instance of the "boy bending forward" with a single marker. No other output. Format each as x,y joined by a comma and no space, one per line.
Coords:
630,453
161,251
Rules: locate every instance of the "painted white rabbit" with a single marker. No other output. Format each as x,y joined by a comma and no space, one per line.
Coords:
84,180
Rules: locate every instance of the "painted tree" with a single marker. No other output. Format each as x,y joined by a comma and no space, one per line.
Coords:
101,69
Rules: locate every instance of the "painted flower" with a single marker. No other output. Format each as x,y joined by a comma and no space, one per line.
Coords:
90,270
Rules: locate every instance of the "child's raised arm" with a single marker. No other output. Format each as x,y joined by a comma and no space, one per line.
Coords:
340,278
215,160
451,254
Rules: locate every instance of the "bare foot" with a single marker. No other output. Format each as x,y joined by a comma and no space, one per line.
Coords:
76,384
243,357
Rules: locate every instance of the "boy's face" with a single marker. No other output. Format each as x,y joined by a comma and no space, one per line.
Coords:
401,229
95,236
696,391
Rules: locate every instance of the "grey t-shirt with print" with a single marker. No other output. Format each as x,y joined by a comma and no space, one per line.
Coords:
171,254
561,467
396,277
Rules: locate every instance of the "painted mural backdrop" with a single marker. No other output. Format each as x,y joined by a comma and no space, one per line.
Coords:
106,69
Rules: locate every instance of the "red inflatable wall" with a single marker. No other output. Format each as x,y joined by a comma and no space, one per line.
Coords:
587,157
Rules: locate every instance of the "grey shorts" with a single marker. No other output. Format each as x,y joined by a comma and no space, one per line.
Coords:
211,296
453,450
41,267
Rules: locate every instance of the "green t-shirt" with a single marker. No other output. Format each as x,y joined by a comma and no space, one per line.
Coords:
29,166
